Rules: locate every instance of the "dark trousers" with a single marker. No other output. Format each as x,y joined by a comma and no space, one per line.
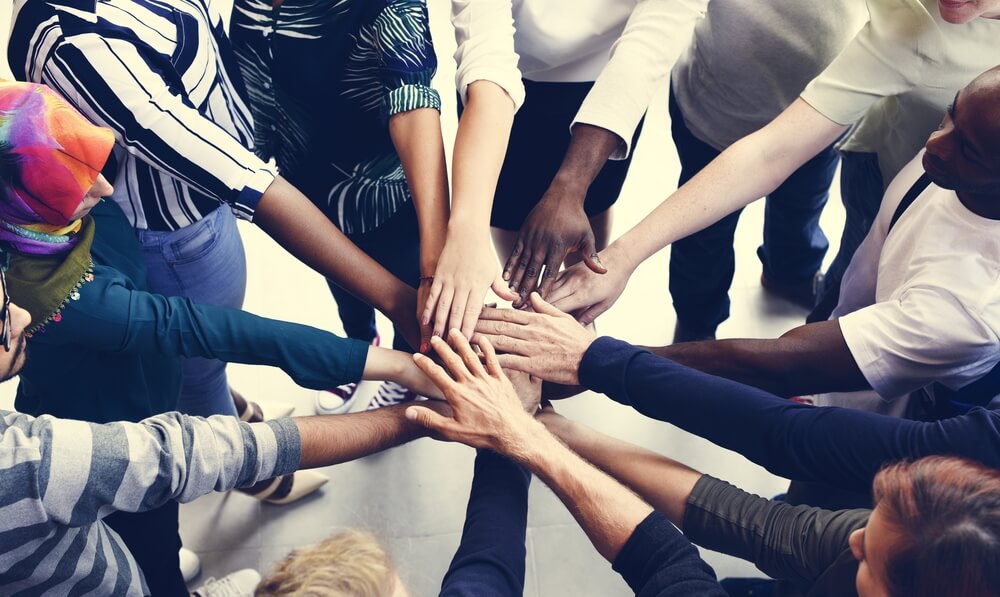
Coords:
702,265
395,245
154,541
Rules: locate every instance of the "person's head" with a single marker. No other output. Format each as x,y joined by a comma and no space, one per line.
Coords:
963,11
349,564
964,153
935,531
51,158
13,343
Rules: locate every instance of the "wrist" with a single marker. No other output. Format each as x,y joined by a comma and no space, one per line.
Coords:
528,444
621,256
571,186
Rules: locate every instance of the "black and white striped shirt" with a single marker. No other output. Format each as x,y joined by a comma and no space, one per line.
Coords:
161,75
59,478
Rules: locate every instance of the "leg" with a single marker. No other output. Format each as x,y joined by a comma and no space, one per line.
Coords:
861,189
153,539
701,265
204,262
794,245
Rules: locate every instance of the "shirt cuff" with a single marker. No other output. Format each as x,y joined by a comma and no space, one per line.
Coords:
654,536
412,97
604,366
289,445
510,82
253,190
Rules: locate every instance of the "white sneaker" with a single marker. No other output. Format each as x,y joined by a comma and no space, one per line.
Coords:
241,583
286,488
190,564
336,400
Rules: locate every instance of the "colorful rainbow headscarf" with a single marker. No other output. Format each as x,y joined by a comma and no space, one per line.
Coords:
50,156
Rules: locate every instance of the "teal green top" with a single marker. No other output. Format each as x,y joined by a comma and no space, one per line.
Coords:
115,352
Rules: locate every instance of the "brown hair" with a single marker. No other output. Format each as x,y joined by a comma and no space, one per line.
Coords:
349,564
949,509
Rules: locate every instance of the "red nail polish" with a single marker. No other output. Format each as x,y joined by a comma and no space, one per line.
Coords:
423,347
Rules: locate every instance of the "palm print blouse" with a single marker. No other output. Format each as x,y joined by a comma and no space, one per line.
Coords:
323,78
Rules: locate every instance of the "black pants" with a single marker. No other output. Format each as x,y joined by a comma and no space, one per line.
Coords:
154,540
395,245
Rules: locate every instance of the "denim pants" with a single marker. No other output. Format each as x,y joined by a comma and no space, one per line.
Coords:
395,245
861,189
205,263
702,265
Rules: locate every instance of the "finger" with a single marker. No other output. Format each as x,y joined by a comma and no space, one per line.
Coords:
464,350
490,358
425,338
436,374
552,265
570,303
515,257
452,362
587,317
519,272
425,417
441,313
432,299
591,256
503,328
530,282
501,289
508,345
540,306
517,363
509,315
472,310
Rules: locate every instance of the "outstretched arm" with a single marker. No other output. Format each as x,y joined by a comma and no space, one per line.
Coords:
749,169
486,413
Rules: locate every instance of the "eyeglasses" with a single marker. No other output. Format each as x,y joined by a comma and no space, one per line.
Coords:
5,313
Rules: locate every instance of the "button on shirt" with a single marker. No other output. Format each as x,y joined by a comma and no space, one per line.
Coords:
161,75
323,79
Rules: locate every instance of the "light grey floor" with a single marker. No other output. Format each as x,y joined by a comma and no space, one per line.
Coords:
414,496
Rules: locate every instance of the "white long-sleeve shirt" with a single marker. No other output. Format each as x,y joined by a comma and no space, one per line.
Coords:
625,47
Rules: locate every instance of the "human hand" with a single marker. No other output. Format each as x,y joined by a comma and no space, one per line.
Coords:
466,269
547,343
587,295
486,412
402,316
556,227
423,293
527,387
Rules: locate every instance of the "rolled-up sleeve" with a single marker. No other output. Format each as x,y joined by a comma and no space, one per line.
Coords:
654,36
407,61
131,89
484,33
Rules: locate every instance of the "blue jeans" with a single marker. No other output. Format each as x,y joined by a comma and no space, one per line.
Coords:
702,265
204,262
861,189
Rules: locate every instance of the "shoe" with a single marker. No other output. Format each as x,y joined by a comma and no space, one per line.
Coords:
802,294
241,583
683,333
391,393
190,564
286,488
340,399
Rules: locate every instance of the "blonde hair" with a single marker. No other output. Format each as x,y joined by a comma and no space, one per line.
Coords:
349,564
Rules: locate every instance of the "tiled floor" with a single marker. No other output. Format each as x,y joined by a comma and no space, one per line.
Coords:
414,496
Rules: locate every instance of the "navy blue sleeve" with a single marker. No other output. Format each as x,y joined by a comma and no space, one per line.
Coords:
840,446
490,560
658,561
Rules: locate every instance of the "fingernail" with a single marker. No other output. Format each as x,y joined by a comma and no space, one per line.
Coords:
424,346
425,321
506,276
436,334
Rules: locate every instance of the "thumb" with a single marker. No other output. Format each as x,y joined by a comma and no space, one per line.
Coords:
591,257
539,305
426,417
502,290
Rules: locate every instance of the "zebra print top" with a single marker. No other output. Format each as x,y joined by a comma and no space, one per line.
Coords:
323,77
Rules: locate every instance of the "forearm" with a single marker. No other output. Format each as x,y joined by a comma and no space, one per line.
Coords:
330,440
662,482
480,147
589,149
300,227
810,359
397,366
417,137
607,511
749,169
